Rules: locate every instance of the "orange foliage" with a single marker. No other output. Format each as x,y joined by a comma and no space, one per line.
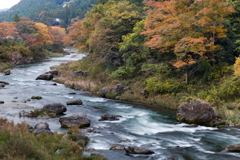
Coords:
185,26
7,31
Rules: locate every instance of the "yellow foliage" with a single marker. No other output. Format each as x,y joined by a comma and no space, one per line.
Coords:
237,67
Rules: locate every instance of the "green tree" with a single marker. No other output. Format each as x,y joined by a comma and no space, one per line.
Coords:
16,18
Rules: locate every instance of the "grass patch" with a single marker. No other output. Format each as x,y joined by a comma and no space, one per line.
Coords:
55,54
4,66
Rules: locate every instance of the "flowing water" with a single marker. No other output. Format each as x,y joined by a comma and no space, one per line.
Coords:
142,125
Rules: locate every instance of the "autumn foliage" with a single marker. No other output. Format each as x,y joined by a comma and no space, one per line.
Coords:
35,38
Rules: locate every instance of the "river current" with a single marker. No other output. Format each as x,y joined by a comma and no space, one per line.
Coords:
144,126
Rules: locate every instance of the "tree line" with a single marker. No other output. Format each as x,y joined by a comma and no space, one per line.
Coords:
183,36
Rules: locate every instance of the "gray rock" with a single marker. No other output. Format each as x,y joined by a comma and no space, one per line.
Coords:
233,148
25,100
79,73
119,89
123,141
45,77
80,120
75,102
107,117
4,82
103,92
54,72
191,126
59,151
138,150
40,128
117,147
23,113
195,111
57,108
7,72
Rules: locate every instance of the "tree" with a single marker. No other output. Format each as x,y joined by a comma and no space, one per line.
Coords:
7,32
187,28
16,18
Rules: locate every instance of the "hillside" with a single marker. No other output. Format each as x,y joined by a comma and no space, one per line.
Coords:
46,11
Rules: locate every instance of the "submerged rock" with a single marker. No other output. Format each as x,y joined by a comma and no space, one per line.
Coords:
197,112
138,150
107,117
80,120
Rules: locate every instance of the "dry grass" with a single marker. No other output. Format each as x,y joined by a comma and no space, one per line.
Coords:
4,66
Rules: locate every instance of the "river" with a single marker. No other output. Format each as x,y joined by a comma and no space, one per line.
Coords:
142,125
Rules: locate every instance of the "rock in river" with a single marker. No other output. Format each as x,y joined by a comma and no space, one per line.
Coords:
138,150
197,112
80,120
45,77
107,117
57,108
75,102
233,148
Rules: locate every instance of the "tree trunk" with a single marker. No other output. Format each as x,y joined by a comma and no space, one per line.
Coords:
187,75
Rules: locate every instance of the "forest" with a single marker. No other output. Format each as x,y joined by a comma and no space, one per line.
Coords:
175,50
47,11
29,39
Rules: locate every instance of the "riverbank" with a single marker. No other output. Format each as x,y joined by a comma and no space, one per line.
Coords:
4,66
18,143
221,94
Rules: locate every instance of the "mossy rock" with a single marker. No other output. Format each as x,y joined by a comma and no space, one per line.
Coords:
36,97
197,112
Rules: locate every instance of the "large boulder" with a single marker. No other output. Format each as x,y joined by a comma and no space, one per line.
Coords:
45,77
107,117
233,148
57,108
138,150
80,120
40,128
197,112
